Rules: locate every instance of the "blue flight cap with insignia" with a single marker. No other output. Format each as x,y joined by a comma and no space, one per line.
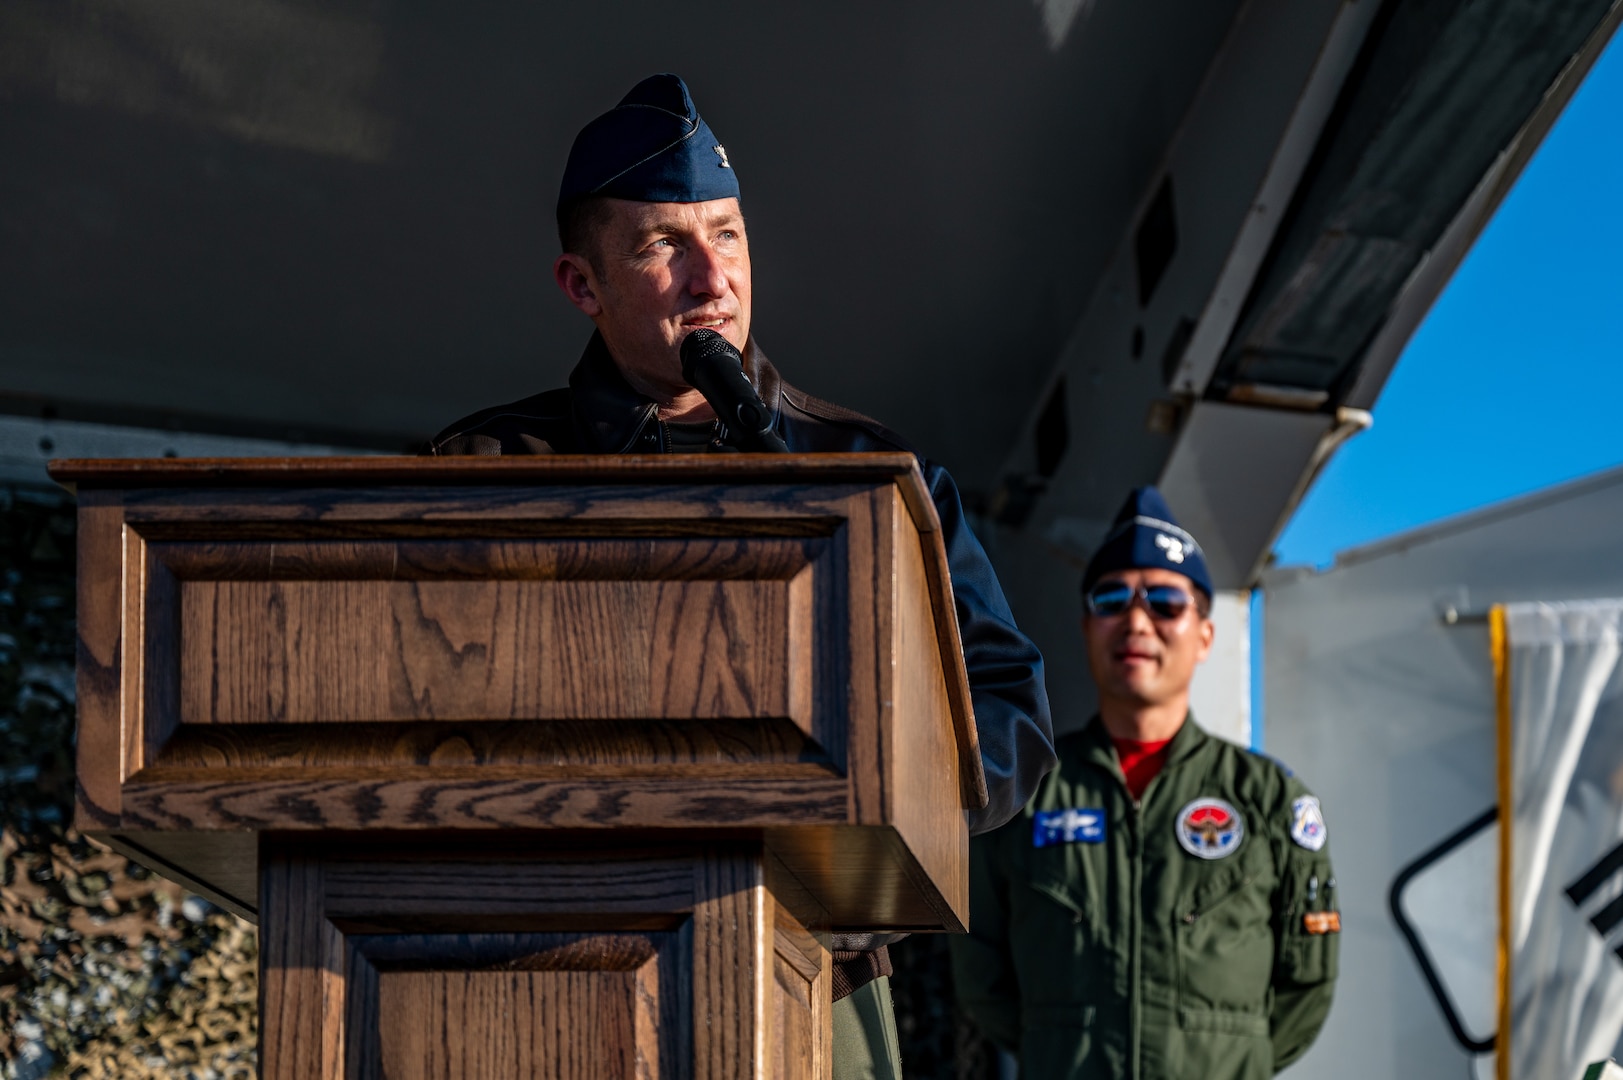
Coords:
652,147
1146,536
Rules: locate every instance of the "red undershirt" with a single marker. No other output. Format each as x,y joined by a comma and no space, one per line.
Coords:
1140,762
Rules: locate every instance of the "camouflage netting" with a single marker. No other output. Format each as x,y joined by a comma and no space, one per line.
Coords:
105,970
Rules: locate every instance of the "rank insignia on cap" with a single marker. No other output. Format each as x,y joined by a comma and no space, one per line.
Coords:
1210,828
1075,825
1307,823
1145,536
648,148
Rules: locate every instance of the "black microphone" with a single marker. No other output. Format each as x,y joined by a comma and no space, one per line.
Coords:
713,367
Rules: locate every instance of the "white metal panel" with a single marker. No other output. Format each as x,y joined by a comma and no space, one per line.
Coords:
1387,712
1220,697
1231,476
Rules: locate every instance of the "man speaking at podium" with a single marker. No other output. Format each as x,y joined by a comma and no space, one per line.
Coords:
655,252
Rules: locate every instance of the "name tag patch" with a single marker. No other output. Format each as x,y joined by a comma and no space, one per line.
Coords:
1076,825
1322,922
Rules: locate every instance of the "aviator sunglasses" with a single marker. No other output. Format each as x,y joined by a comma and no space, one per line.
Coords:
1110,598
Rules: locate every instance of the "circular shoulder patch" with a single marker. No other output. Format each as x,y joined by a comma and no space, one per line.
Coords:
1307,823
1210,828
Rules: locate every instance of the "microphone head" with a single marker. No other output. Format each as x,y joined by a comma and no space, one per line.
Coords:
701,345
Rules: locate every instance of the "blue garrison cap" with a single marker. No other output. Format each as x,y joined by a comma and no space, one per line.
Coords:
1145,536
652,147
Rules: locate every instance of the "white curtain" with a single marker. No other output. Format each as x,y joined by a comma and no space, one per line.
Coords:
1566,752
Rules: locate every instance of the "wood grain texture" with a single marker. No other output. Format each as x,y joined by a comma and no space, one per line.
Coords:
830,877
156,704
732,945
392,963
861,878
442,799
926,779
801,1017
937,587
232,860
101,625
616,511
542,768
869,610
437,884
199,751
471,1006
455,557
704,648
364,651
301,980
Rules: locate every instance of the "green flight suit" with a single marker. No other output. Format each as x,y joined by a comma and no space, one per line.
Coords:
1124,955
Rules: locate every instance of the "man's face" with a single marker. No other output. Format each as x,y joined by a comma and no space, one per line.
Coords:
1140,659
660,271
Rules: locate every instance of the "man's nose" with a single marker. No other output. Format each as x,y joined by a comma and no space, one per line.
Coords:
707,276
1138,618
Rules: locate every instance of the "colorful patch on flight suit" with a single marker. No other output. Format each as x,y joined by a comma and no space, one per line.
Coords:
1210,828
1307,823
1076,825
1322,922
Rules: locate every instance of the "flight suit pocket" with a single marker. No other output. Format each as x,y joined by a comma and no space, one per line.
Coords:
1059,879
1069,906
1219,1043
1223,1023
1226,943
1310,944
1053,930
1309,960
1310,950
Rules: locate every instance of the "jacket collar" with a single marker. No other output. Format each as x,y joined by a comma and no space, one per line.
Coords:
609,415
1099,750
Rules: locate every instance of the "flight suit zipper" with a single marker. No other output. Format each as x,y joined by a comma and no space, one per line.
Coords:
1135,935
1136,1001
1135,920
1135,1012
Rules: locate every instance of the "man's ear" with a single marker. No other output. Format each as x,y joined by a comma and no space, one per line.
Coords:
578,280
1208,630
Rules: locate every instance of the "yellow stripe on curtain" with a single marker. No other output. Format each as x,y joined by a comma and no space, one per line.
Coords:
1500,640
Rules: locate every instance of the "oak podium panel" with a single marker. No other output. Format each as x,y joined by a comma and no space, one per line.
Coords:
448,676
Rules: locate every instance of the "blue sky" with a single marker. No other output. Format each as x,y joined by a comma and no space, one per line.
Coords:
1514,381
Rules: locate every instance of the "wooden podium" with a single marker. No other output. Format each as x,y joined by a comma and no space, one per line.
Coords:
545,767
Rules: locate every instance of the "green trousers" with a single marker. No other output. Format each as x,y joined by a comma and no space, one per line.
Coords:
865,1046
